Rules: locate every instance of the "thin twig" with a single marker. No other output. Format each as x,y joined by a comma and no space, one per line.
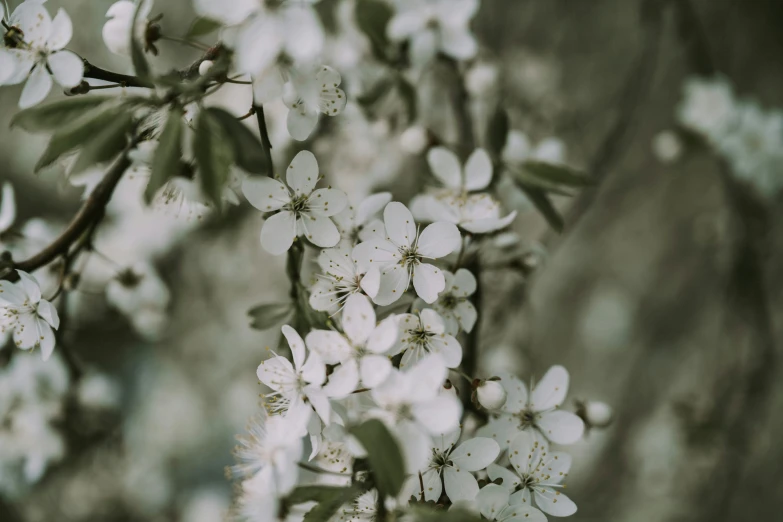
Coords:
196,45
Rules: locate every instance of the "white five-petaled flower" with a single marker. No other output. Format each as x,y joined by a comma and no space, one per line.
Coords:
359,351
31,317
310,91
539,474
400,257
455,465
493,503
457,203
340,278
424,333
432,26
361,223
453,304
414,406
536,412
299,208
298,383
37,48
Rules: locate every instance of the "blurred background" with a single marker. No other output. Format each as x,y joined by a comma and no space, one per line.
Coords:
660,296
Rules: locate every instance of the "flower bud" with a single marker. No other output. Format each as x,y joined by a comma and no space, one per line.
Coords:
205,66
598,414
491,395
414,140
667,146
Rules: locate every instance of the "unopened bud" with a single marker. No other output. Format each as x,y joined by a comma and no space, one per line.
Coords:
414,140
205,66
596,414
491,395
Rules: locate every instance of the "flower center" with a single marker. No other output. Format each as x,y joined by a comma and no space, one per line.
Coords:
13,38
420,336
527,419
410,256
449,301
440,460
299,204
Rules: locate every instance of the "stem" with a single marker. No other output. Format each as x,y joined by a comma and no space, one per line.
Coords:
316,469
250,113
196,45
97,73
265,142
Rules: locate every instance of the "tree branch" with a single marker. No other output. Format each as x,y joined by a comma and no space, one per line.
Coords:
97,73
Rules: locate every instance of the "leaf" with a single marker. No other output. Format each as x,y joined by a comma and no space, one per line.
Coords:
80,131
384,456
428,514
165,161
140,65
316,493
52,115
328,506
106,145
248,151
202,26
557,173
372,17
497,132
409,98
524,177
544,205
269,315
214,156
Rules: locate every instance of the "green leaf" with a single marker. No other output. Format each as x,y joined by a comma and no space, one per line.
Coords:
106,145
214,156
140,65
409,98
77,133
524,177
269,315
248,151
384,456
202,26
166,160
302,494
372,17
497,132
53,115
557,174
329,505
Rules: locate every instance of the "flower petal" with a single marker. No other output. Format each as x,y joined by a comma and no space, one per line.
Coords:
394,283
429,282
438,415
445,166
371,281
554,503
510,479
303,34
551,390
464,283
61,31
327,202
491,500
371,206
343,381
34,21
37,87
8,65
516,393
301,121
296,344
266,194
384,336
475,454
561,427
525,453
45,339
375,252
48,313
448,348
67,68
521,513
331,346
302,173
460,484
400,226
466,314
478,170
439,240
258,44
8,204
502,430
555,468
374,369
358,319
432,485
483,226
277,373
459,43
319,230
30,286
278,233
313,370
268,86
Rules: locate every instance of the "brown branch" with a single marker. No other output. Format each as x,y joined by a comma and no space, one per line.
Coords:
97,73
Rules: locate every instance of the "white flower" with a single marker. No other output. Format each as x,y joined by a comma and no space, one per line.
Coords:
491,394
493,503
311,90
297,383
667,147
400,257
361,223
359,351
363,509
414,406
117,30
341,278
299,208
136,288
270,451
454,466
31,317
537,412
539,474
708,107
414,139
424,333
432,26
453,304
476,213
38,43
518,149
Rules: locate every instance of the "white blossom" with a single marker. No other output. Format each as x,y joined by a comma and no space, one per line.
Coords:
340,278
491,395
539,475
424,333
493,503
359,351
299,209
708,107
597,414
28,314
117,31
454,465
453,304
363,509
537,412
432,26
400,256
361,223
310,91
40,49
